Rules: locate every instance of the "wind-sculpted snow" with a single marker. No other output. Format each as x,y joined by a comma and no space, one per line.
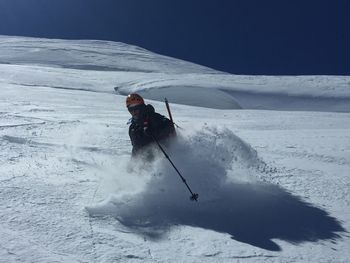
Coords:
224,171
194,96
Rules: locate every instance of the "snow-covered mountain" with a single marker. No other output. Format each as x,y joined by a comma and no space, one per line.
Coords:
126,68
273,184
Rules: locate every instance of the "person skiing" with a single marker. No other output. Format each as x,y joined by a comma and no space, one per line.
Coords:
146,125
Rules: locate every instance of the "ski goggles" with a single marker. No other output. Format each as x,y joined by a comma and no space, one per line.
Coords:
136,107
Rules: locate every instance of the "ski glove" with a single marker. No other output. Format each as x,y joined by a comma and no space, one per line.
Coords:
147,131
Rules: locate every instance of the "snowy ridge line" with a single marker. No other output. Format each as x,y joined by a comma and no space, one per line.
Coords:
86,54
189,95
232,96
260,85
241,99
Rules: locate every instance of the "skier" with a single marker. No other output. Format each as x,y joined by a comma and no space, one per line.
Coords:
146,125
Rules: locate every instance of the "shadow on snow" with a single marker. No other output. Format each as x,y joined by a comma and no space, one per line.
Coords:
251,213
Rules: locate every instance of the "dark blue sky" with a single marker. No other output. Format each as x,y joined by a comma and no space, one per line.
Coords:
238,36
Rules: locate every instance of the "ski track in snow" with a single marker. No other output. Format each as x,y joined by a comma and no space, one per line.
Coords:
273,186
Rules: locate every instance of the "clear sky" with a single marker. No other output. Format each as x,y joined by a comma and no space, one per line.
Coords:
238,36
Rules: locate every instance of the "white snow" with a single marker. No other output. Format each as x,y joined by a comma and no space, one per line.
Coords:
269,157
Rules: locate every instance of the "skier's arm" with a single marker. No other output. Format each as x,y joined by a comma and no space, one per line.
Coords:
161,127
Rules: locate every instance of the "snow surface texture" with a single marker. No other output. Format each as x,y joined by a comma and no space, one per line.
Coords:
273,185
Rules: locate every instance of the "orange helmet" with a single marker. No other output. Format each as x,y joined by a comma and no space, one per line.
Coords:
134,99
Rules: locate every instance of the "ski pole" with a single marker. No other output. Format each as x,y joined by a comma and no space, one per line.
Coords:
194,196
169,112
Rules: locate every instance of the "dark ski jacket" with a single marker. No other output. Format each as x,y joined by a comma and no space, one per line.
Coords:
149,124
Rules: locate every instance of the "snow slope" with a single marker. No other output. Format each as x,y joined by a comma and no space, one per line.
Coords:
273,185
